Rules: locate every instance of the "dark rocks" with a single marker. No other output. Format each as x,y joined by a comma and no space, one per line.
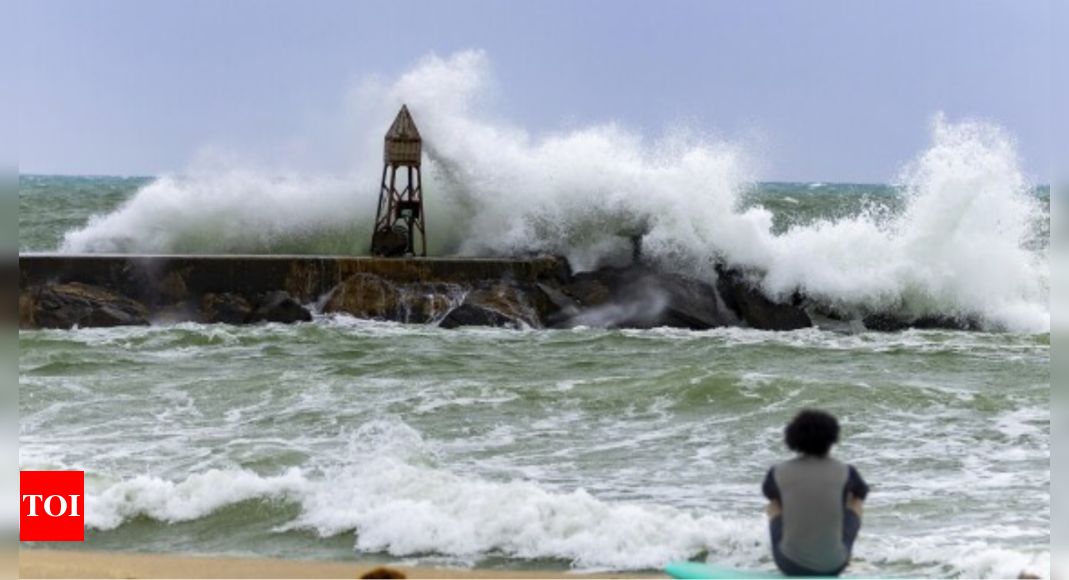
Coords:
68,306
235,310
364,296
225,309
25,312
593,288
476,315
371,297
557,272
691,304
9,288
521,293
279,308
501,304
172,288
508,300
554,306
637,297
744,297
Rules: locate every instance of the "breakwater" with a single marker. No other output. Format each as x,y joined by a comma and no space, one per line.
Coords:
62,291
169,279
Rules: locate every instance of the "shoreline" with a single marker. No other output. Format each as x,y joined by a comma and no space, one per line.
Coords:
50,564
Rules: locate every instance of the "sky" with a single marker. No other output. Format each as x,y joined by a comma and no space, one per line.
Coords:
821,90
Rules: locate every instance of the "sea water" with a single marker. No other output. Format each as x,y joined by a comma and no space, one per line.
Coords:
584,449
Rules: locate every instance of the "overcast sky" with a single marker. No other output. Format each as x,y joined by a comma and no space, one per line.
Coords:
832,90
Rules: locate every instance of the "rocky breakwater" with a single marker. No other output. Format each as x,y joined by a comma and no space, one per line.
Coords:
8,290
65,292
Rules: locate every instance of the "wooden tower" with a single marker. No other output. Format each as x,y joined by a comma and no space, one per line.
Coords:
400,219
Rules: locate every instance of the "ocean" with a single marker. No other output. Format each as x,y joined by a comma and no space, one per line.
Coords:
584,449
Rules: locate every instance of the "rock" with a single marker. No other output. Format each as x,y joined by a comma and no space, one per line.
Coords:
427,303
373,298
233,309
8,290
430,308
499,305
560,272
899,323
743,297
225,309
554,306
476,315
592,288
637,297
508,300
67,306
365,296
279,308
691,304
26,311
172,289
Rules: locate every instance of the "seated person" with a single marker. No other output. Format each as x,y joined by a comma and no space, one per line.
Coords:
816,501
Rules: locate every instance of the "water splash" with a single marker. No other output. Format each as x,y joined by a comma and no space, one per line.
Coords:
228,210
957,248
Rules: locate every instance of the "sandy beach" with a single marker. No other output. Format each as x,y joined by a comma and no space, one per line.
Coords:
52,564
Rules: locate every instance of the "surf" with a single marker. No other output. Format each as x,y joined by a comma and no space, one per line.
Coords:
961,242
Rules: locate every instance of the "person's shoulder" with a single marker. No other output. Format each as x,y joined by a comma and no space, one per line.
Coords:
787,464
838,462
837,465
850,467
779,469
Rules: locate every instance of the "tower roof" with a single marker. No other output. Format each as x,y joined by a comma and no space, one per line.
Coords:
403,128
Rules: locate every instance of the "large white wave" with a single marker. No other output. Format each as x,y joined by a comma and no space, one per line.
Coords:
409,510
959,248
226,210
384,488
494,188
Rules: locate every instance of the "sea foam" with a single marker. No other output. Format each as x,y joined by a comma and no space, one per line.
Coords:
415,511
959,248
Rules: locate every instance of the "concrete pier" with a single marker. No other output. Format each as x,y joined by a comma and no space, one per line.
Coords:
159,280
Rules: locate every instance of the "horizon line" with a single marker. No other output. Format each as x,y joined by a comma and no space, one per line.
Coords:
758,182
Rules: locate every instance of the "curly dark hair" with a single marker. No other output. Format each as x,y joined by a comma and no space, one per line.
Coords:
813,433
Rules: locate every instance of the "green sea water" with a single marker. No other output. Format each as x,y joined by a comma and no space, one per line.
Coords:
584,449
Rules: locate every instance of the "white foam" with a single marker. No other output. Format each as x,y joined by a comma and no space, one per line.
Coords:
223,208
196,497
494,188
382,482
938,559
957,249
406,510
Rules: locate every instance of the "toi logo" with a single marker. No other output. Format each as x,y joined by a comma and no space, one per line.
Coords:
53,506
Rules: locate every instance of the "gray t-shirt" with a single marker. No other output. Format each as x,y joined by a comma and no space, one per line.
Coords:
813,493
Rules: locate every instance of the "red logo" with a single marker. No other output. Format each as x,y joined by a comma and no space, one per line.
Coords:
53,506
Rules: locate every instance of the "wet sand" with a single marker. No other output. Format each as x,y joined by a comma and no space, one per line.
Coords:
52,564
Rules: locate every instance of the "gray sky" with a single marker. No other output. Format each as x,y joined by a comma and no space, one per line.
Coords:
832,90
1060,86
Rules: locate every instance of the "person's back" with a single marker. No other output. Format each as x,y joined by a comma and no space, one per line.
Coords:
815,501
